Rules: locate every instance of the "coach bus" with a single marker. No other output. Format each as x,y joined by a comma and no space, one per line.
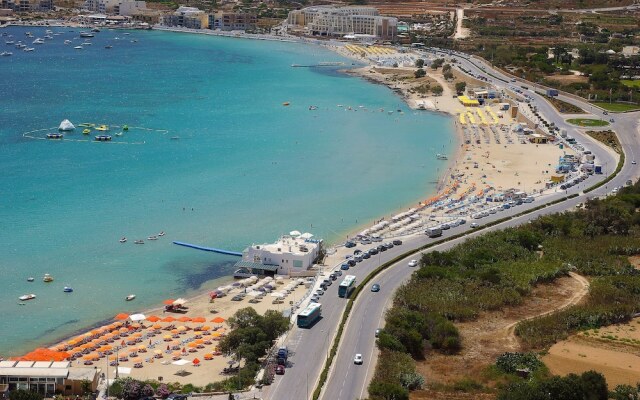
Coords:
309,315
347,286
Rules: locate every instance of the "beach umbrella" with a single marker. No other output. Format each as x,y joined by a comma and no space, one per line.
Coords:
208,356
122,316
168,319
277,294
218,320
153,318
184,319
184,349
181,328
196,361
199,319
179,302
168,302
306,235
294,233
137,317
205,328
142,347
157,326
167,337
192,345
157,352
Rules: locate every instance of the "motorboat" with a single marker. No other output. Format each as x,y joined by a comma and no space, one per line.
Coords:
125,127
175,137
441,157
152,237
27,297
139,241
8,42
108,47
67,289
119,134
55,135
102,128
30,279
78,47
67,41
28,49
87,43
102,138
86,131
130,297
123,240
86,34
6,53
47,278
20,45
38,41
48,37
95,30
161,233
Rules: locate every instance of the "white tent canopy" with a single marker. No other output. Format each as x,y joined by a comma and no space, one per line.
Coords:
295,233
306,235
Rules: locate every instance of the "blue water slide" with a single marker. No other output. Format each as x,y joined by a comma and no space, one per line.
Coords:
214,250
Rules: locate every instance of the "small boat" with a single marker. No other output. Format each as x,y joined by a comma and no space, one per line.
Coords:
55,135
28,49
67,41
154,237
78,47
286,103
38,41
86,43
102,128
126,33
125,127
161,233
119,134
9,42
86,131
67,289
139,241
108,47
6,53
95,30
20,45
48,37
27,297
123,240
130,297
47,278
441,157
175,137
102,138
30,279
86,34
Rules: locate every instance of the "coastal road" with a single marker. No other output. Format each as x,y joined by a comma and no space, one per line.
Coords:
309,347
349,381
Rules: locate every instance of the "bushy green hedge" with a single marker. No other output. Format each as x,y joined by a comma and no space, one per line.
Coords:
511,362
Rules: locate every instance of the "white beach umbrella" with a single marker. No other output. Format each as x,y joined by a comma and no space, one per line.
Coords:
306,235
137,317
295,233
179,302
277,294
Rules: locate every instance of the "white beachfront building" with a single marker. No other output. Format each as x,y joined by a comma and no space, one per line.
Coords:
116,7
340,21
291,255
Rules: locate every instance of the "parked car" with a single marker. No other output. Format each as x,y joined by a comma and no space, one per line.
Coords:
357,359
375,287
349,244
366,255
333,276
397,242
320,292
378,332
352,263
373,251
177,396
344,267
280,369
413,263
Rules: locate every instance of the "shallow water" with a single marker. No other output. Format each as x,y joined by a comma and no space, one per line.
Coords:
245,168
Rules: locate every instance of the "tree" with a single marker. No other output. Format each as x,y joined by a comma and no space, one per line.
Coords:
419,73
448,75
24,395
86,386
147,391
163,391
419,63
131,389
437,90
460,87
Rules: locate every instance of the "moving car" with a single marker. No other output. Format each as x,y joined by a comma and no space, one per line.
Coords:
413,263
375,287
357,359
378,332
397,242
474,225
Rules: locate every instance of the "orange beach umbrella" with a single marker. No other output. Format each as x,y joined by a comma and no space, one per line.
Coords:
168,302
218,320
199,319
122,316
153,318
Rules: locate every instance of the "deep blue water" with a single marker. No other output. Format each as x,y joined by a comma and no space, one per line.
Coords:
245,169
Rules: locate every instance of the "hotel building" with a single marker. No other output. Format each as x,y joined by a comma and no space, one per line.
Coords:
340,21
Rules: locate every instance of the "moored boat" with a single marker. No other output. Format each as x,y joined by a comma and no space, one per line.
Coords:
130,297
102,138
139,241
123,240
86,131
27,297
102,128
47,278
86,34
30,279
161,233
154,237
67,289
55,135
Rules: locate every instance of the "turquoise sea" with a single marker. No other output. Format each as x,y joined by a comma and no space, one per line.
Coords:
245,169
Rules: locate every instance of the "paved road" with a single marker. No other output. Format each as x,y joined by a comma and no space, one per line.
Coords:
347,381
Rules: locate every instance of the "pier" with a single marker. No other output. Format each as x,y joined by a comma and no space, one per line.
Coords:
211,249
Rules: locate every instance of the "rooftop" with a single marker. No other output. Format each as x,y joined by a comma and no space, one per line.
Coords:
289,244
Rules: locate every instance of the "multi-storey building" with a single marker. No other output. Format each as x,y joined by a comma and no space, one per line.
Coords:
340,21
233,21
187,17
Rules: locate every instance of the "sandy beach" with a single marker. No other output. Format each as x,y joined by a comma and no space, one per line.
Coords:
492,156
